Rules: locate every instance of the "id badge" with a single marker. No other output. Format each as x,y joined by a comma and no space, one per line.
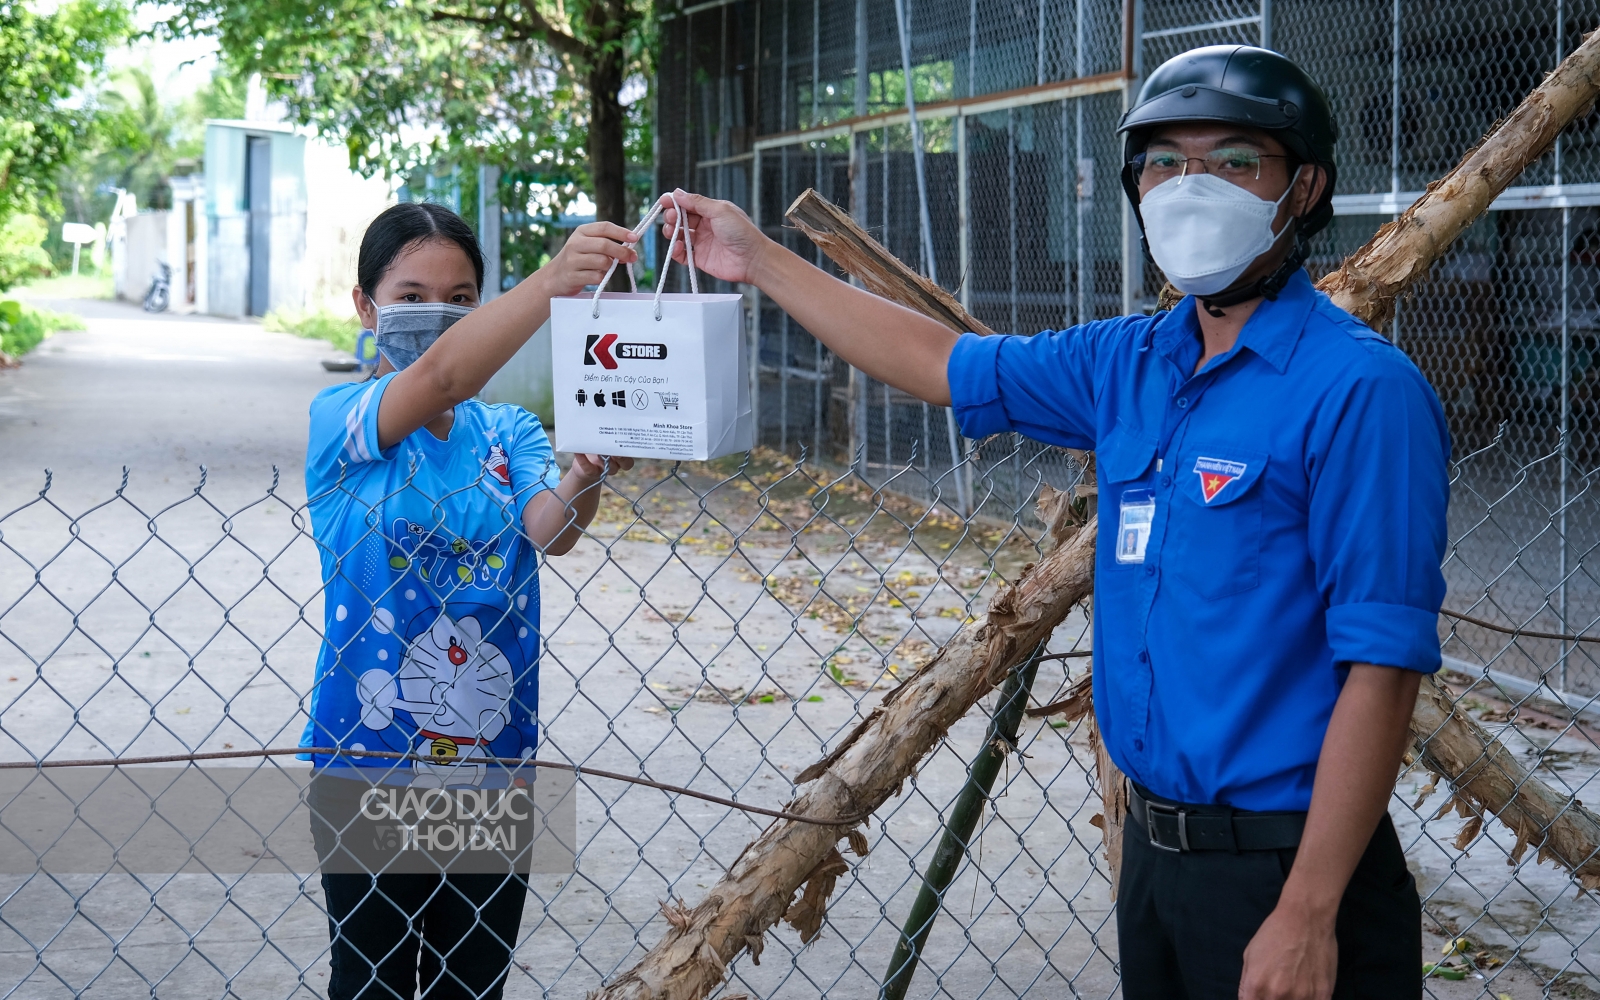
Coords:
1133,524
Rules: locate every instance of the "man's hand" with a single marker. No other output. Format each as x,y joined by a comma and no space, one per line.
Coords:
727,244
1293,956
891,343
586,256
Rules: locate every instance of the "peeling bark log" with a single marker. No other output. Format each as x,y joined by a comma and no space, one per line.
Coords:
866,770
846,244
1487,778
1113,814
1368,282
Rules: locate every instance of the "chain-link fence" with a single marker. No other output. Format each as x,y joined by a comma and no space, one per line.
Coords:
719,628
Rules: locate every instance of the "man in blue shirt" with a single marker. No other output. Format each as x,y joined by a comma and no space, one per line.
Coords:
1273,490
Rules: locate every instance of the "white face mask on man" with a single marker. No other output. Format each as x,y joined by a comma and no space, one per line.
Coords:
1204,231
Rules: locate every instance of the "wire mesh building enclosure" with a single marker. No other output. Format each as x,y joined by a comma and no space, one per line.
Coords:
1003,186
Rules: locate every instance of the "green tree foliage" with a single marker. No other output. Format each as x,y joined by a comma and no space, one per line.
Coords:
45,59
136,141
528,84
22,327
21,256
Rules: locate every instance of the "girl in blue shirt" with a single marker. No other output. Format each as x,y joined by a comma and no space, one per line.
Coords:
430,510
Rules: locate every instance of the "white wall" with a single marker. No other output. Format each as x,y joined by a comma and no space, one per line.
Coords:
339,205
145,243
320,211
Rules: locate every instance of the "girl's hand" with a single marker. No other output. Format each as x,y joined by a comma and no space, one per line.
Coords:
586,256
727,244
591,468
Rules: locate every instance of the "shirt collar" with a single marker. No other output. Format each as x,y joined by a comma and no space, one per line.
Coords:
1271,333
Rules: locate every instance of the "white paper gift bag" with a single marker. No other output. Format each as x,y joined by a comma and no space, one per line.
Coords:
651,375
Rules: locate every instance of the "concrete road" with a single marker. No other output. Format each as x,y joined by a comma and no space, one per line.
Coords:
161,395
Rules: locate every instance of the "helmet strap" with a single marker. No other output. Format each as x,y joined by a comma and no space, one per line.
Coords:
1264,288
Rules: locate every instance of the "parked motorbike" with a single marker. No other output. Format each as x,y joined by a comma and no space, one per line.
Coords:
160,294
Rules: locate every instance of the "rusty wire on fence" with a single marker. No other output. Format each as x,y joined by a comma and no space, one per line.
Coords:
719,629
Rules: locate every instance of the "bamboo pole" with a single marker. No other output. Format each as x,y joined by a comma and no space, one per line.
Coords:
963,817
873,762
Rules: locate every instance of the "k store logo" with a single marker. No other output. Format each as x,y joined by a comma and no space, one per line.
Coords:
603,350
1215,474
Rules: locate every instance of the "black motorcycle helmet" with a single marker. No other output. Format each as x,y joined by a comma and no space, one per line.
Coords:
1243,85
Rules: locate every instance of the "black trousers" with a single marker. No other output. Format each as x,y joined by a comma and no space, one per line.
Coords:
455,932
1183,920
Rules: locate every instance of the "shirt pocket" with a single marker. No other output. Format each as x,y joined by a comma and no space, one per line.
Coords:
1122,459
1216,519
1124,455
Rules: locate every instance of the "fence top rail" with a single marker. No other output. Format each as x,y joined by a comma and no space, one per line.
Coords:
977,105
1513,199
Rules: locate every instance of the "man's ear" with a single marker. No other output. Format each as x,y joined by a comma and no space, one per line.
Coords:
1310,184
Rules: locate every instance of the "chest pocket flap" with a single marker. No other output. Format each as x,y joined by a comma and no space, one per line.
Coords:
1219,476
1217,526
1124,454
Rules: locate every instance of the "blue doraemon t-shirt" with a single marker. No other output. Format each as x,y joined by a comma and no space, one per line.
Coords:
431,639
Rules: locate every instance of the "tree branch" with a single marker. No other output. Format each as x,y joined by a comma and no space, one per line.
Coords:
536,28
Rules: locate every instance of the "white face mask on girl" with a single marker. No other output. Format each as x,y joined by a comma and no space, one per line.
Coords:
406,329
1204,231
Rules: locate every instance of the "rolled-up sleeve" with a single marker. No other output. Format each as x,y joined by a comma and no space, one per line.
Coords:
1378,466
973,372
1042,386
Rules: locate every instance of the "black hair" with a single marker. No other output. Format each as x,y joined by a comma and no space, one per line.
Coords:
400,228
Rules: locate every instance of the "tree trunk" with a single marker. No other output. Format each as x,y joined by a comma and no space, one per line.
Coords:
608,168
608,161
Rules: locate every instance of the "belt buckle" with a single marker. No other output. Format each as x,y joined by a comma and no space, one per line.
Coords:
1180,814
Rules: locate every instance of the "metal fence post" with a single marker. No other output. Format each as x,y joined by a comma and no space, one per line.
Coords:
1394,141
489,228
1011,212
1085,170
754,294
1394,102
1133,70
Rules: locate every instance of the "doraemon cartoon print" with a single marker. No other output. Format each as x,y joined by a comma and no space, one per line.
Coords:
456,686
497,466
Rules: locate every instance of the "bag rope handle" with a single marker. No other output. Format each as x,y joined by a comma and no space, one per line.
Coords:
638,234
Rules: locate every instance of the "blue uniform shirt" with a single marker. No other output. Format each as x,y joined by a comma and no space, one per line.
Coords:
1263,524
431,635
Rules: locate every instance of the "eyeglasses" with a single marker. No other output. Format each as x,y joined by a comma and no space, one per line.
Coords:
1234,164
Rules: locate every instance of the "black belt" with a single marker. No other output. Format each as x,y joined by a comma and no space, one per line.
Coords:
1174,827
